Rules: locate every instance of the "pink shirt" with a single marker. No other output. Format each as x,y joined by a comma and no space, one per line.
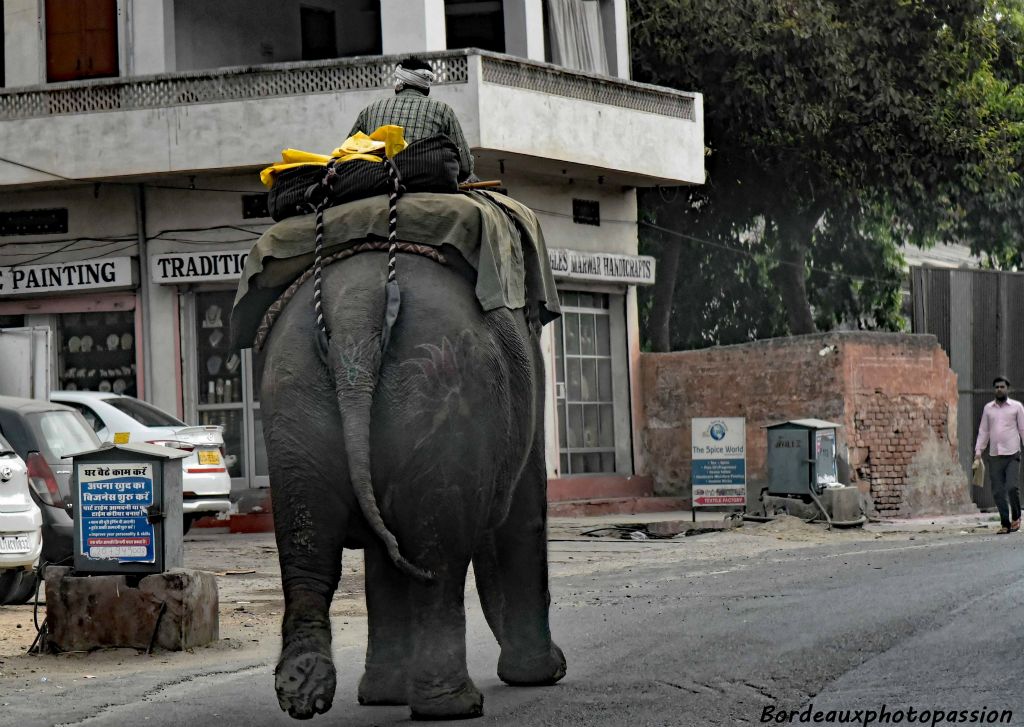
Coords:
1002,427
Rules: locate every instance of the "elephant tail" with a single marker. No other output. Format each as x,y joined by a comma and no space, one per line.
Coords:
355,376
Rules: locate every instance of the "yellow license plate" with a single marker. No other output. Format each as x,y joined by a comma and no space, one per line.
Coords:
209,458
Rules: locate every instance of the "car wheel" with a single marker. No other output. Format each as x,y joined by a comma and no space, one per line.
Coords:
17,586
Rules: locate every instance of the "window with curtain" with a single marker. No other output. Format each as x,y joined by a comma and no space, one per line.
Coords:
576,35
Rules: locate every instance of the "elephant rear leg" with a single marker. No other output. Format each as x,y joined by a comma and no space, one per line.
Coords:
389,638
439,683
511,568
310,516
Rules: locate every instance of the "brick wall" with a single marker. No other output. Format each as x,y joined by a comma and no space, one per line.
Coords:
891,393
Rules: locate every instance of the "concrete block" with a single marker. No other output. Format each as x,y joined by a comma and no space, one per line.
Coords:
668,528
175,610
842,503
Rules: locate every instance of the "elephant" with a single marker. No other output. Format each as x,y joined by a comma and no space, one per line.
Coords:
429,457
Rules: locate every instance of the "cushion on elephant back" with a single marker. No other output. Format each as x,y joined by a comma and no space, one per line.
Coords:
430,164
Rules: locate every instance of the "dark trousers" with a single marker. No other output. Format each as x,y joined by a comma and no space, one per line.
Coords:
1004,472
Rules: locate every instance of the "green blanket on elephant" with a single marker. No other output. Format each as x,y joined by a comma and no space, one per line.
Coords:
498,236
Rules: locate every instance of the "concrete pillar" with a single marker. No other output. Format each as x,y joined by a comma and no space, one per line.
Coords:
149,37
24,49
412,26
615,18
524,28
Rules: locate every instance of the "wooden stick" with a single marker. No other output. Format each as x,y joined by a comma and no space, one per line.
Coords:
481,185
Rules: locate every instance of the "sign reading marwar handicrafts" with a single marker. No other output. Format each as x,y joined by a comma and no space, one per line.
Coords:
112,504
719,462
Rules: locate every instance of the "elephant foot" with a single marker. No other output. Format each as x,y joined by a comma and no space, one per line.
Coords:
540,670
462,702
383,685
305,684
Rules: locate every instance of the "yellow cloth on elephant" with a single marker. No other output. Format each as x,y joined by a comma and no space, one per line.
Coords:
387,140
498,236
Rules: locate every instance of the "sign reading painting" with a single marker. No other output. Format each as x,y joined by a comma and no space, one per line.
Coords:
719,461
198,267
111,272
601,267
112,503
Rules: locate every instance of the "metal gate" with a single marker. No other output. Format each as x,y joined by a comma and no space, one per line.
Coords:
978,317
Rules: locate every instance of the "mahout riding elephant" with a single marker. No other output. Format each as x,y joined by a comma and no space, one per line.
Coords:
428,456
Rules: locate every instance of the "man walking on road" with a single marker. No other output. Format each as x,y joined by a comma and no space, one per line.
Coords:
1001,430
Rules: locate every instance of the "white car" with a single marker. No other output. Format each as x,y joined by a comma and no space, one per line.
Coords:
21,534
205,481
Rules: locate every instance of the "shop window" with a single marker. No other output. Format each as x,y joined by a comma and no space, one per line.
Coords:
81,39
319,37
219,374
475,24
583,389
97,352
576,35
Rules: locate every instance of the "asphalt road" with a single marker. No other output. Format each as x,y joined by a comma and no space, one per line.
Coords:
662,639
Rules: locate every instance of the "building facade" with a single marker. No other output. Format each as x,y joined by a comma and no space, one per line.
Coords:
132,133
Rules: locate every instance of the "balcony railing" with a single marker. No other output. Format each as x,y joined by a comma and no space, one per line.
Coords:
312,77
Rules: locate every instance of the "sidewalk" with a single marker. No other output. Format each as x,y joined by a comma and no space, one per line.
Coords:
926,523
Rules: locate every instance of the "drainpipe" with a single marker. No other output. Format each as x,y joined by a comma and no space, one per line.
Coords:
140,225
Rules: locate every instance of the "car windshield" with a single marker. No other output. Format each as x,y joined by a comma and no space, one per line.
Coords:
144,413
64,433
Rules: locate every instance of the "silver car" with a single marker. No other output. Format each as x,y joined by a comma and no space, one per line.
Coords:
21,529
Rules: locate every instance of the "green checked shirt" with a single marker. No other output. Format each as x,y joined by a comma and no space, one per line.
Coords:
420,116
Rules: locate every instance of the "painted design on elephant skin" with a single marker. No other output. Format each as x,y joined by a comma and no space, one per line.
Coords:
439,381
357,359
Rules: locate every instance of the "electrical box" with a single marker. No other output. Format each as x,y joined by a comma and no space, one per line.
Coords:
127,509
802,457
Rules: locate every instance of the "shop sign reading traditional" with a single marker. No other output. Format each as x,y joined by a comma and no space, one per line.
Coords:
198,267
719,461
111,272
603,267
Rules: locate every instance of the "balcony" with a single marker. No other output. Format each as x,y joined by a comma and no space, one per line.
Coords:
516,114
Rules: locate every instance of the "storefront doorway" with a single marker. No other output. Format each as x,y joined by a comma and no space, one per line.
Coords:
591,393
221,386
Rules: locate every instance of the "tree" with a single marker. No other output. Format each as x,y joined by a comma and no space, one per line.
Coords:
838,129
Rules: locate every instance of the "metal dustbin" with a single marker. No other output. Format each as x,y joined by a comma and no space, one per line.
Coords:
802,457
127,510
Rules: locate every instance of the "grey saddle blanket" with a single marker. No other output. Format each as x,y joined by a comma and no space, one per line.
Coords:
498,236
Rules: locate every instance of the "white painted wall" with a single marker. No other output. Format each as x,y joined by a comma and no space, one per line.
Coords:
593,134
637,147
551,200
412,26
247,32
103,212
24,56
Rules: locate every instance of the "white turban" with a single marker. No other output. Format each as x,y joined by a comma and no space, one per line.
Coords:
419,78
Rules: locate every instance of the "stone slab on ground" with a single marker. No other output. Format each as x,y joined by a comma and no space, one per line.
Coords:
666,528
176,610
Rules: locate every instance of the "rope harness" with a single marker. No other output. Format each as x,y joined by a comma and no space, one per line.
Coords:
393,246
278,305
